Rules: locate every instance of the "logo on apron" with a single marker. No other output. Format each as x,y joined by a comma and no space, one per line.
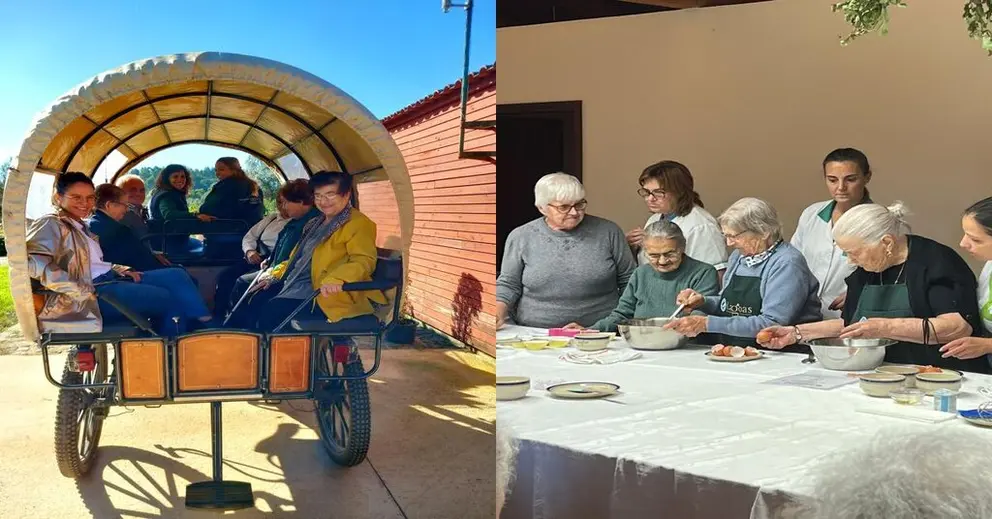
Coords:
735,309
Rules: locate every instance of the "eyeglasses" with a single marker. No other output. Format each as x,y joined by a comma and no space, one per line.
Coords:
326,196
657,193
670,256
734,236
76,199
565,209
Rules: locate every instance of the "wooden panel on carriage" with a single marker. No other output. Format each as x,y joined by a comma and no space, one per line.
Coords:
218,361
289,364
143,369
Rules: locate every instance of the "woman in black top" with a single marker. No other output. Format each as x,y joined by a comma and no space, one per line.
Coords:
907,288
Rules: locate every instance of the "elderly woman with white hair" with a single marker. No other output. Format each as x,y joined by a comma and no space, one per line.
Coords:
900,474
906,287
767,281
653,288
564,267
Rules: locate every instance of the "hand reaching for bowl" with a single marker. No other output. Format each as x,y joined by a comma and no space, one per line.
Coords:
690,298
876,328
777,337
689,326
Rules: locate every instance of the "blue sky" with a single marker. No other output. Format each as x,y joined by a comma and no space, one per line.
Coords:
385,53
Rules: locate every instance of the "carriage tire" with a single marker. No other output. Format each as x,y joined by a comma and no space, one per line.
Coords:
356,447
72,402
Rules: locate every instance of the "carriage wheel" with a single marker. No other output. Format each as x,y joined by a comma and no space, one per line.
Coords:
77,422
345,423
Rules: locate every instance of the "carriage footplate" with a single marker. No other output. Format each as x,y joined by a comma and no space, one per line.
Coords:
219,495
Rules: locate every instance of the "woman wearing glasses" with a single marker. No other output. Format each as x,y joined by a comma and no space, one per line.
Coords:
565,266
767,281
667,189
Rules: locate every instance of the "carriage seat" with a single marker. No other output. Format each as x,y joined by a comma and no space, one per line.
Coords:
388,274
119,329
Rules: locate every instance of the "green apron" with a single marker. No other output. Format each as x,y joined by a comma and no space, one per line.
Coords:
892,301
742,298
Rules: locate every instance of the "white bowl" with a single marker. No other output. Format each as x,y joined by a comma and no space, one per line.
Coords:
899,369
930,382
881,384
592,341
512,388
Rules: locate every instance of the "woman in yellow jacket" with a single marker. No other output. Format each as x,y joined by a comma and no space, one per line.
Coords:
336,249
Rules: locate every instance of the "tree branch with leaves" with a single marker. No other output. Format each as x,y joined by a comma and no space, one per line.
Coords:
867,16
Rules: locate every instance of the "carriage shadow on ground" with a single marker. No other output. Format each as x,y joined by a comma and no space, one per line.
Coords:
431,454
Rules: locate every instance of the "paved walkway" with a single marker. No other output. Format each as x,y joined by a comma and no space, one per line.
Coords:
432,453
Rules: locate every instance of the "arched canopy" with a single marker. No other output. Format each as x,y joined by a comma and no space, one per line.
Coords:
283,115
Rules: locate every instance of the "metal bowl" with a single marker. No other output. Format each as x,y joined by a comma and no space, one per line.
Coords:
849,354
647,334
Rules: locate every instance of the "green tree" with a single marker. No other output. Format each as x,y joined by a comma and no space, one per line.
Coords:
867,16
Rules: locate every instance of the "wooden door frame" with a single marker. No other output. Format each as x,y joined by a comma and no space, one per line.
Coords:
569,112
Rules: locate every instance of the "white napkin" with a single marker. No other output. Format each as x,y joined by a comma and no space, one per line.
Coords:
599,357
915,413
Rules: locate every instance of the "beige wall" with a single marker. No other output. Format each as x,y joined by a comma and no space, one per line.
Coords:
752,97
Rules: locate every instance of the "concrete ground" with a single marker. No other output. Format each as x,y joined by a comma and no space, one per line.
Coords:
432,452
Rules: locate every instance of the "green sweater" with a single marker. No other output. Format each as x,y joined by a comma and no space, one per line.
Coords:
650,293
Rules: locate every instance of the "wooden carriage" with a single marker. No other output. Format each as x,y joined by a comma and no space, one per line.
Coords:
293,121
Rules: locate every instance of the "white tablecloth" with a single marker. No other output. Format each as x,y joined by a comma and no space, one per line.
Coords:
695,438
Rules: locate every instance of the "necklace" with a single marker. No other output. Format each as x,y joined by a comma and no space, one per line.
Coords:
902,268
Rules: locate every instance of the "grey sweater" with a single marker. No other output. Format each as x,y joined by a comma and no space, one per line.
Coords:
652,294
551,278
788,294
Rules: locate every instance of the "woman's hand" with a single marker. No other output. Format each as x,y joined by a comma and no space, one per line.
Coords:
635,237
967,348
574,326
162,259
690,298
253,257
206,217
330,288
777,337
134,275
501,312
875,328
689,326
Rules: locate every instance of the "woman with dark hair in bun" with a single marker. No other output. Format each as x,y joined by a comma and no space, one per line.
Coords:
66,260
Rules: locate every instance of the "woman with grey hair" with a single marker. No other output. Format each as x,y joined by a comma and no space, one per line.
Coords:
506,454
564,267
767,281
653,288
906,287
905,475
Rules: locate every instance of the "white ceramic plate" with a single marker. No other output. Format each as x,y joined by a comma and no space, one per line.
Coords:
583,390
734,359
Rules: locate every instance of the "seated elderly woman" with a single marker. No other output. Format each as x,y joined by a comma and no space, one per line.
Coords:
136,216
337,248
898,474
767,281
67,261
564,267
120,244
906,288
652,290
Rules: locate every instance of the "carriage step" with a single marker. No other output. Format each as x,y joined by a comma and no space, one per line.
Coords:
219,495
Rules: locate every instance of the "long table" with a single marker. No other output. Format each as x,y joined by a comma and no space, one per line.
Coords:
688,437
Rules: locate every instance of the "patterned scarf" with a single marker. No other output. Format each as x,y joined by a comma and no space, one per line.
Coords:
315,232
759,258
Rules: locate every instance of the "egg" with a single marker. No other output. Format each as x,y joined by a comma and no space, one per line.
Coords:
717,351
764,336
750,352
737,352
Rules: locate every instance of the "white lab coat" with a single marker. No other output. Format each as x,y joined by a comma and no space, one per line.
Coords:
814,238
704,240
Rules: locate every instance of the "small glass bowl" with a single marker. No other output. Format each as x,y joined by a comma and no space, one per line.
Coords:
907,396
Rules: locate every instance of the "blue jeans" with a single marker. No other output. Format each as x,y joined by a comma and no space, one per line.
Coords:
162,295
